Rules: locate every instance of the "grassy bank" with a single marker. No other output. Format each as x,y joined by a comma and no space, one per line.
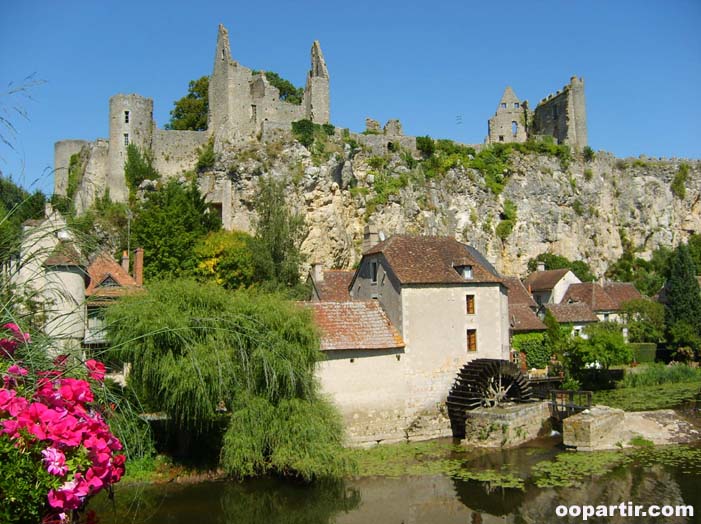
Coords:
645,398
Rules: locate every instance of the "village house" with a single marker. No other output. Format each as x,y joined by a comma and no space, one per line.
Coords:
549,286
419,308
604,301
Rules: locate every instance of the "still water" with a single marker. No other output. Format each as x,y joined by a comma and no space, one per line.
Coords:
429,498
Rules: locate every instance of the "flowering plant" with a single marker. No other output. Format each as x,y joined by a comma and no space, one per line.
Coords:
56,449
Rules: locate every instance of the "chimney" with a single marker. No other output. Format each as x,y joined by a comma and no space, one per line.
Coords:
317,272
541,266
125,261
370,236
139,266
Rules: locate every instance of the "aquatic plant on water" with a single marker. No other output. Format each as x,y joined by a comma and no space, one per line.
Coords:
56,448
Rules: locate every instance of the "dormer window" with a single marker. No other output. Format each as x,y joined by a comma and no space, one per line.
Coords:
467,272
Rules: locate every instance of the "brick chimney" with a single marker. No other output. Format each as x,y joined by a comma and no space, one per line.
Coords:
317,272
139,266
541,266
125,261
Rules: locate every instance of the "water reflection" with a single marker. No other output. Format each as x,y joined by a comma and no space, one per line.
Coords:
434,499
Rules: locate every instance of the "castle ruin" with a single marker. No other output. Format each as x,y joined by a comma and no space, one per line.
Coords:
561,115
245,106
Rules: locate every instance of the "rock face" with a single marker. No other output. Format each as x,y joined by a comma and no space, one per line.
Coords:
584,212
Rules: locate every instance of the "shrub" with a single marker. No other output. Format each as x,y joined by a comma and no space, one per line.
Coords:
678,186
655,374
533,345
303,131
588,154
588,174
425,145
206,158
643,352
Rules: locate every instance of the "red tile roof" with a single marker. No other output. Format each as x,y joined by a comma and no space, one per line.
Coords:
621,292
591,294
544,280
354,325
518,294
334,287
433,260
522,318
104,267
574,312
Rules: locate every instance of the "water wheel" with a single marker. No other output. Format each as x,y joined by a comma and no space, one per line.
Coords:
485,382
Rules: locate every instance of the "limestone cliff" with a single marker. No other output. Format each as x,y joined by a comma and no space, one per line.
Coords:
580,212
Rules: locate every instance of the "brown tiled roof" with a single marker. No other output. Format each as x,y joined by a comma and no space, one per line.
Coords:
544,280
591,294
103,267
432,260
621,292
574,312
334,287
522,318
354,325
518,294
64,254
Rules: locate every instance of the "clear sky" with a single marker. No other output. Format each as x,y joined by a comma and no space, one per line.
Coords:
440,67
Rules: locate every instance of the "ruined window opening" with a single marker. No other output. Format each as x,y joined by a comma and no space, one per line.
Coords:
254,113
501,138
126,139
472,340
373,272
514,128
470,303
126,117
516,105
503,105
223,54
217,208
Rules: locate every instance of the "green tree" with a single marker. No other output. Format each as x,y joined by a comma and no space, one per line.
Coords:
578,267
644,319
604,346
279,232
225,257
190,112
138,167
199,351
682,289
16,206
168,224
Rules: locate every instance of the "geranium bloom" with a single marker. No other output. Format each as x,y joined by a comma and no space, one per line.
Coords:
96,370
55,461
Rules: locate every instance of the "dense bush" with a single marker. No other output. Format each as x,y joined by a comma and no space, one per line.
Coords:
534,346
654,374
138,167
643,352
206,157
678,186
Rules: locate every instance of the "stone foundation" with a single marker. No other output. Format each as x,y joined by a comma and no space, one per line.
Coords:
585,431
507,426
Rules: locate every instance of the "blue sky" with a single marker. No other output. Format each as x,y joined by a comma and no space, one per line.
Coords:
440,67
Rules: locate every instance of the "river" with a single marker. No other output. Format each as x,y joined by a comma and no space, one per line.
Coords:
470,490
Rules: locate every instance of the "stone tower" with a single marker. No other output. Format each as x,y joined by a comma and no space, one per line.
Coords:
316,92
508,123
563,116
131,122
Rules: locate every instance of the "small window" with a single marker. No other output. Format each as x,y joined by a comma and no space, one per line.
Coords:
472,340
223,54
516,104
126,139
503,105
373,272
470,303
467,272
501,138
606,317
254,113
126,117
514,128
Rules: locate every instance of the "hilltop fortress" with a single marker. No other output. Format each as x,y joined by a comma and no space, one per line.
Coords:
244,107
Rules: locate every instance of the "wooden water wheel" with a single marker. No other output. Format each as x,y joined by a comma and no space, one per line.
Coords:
485,382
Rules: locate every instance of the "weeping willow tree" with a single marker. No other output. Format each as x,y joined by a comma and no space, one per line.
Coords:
204,356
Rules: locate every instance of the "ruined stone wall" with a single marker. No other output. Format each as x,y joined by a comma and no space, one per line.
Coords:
95,179
563,115
508,123
63,151
175,152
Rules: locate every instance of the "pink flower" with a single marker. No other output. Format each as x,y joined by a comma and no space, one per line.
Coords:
55,461
96,370
7,347
14,369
